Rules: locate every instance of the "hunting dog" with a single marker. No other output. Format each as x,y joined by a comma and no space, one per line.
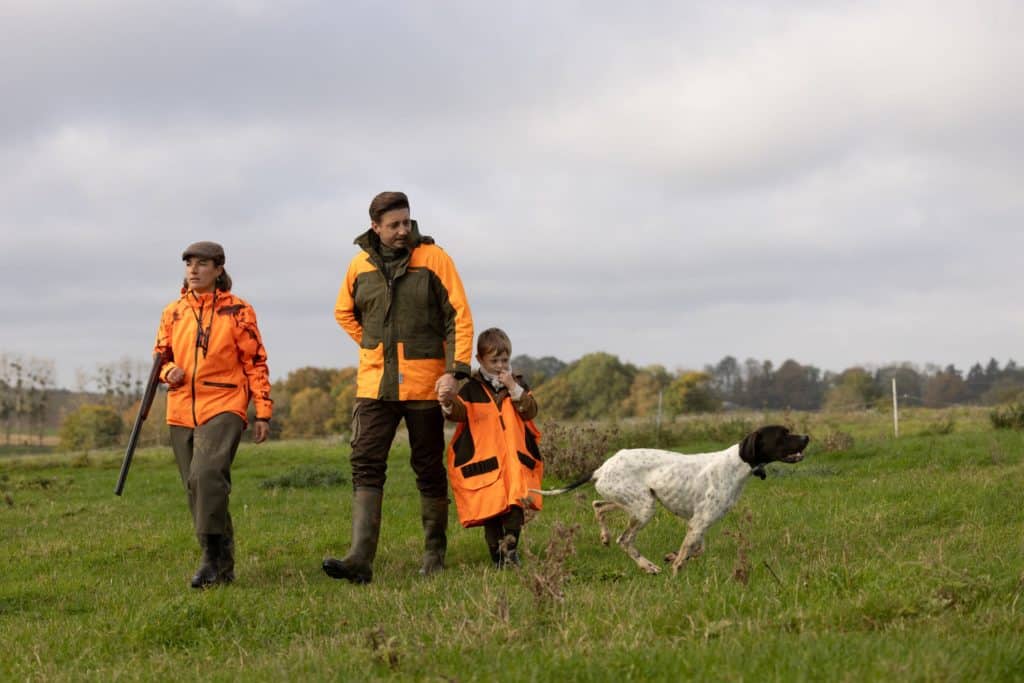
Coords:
700,487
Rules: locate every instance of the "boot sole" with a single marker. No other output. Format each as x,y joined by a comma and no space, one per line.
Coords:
337,570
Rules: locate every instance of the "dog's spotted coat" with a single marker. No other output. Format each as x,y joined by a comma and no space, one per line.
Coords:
700,488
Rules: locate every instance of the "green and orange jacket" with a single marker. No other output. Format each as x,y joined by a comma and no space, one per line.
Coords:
494,457
412,327
223,376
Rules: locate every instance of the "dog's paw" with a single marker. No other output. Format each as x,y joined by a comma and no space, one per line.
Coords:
649,567
605,538
670,557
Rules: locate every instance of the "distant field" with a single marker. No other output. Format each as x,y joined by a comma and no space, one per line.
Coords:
881,559
21,444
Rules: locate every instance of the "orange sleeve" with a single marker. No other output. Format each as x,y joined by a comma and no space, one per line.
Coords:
458,318
345,305
253,357
164,336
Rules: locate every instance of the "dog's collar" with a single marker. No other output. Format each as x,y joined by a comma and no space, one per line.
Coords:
758,471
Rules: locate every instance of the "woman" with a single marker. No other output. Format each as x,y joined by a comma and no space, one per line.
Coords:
214,362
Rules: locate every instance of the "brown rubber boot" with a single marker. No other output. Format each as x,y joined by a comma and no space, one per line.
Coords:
226,565
434,513
357,565
206,574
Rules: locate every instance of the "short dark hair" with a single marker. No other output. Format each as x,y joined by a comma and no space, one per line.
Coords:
493,340
387,201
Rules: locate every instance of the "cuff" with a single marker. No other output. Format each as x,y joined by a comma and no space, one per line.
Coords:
166,369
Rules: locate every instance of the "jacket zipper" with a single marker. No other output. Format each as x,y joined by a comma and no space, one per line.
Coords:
195,365
387,328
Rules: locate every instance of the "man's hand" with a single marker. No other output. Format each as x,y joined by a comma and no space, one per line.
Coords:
446,388
176,377
260,431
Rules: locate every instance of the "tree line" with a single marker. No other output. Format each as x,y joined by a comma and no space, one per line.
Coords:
313,402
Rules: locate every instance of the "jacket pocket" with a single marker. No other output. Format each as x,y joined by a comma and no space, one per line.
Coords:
222,385
422,349
478,475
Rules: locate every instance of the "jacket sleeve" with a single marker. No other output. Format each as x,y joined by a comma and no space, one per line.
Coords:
164,337
527,405
458,411
253,357
458,320
345,306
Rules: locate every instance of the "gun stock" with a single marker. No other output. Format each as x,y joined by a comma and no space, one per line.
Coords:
147,403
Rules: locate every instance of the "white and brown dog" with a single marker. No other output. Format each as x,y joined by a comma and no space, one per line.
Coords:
699,487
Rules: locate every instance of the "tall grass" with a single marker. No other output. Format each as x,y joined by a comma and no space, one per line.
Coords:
885,559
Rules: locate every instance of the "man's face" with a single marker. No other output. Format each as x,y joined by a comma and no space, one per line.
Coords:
393,228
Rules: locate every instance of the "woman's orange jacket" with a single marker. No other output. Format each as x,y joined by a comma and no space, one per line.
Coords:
224,366
493,458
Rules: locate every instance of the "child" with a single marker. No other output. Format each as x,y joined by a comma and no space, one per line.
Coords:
493,459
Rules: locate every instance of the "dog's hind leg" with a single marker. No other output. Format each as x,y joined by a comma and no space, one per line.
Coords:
601,508
638,519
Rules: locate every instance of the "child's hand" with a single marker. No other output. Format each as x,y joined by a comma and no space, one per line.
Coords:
506,378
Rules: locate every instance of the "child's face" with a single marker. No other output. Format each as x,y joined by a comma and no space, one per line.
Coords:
494,362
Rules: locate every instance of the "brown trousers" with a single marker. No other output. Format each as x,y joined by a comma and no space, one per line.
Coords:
204,457
374,424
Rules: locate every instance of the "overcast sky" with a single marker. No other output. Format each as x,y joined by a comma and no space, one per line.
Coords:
671,182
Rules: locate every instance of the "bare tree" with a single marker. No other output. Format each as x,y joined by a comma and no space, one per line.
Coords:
120,383
41,375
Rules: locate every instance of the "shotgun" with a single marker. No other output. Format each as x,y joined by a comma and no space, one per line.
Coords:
147,403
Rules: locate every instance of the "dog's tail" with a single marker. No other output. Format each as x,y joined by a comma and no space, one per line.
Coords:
584,479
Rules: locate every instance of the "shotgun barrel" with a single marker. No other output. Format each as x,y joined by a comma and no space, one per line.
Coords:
147,403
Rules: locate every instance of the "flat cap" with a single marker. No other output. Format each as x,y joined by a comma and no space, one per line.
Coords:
210,250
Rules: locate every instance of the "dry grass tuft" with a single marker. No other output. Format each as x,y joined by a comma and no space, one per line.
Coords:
545,575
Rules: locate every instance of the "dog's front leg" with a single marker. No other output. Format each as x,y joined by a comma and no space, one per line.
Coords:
693,545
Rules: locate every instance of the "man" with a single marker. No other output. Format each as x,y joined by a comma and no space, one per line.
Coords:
402,301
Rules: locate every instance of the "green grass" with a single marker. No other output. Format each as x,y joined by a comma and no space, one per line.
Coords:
891,560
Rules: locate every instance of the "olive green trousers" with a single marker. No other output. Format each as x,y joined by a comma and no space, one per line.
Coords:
204,457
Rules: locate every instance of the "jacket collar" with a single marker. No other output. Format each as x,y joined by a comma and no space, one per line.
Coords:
205,300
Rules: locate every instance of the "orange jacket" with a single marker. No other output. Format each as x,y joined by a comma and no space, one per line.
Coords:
222,377
493,458
412,327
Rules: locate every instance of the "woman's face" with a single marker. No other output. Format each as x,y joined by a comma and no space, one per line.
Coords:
201,274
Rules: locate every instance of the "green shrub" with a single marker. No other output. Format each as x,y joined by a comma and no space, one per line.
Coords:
91,426
836,440
306,477
573,448
1008,417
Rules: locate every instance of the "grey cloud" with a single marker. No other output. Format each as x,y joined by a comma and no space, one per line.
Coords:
650,181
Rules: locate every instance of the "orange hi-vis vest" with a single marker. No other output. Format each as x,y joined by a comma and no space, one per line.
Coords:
493,459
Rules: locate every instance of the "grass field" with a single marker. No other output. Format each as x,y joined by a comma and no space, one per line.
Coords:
882,560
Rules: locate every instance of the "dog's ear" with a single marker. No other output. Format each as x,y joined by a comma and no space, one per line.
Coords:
748,448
